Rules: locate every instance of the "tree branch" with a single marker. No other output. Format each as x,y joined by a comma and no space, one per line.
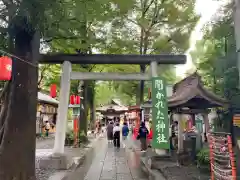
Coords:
147,8
101,70
155,15
93,66
60,38
132,21
41,75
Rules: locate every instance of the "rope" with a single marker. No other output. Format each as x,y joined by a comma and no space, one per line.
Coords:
221,165
29,63
12,55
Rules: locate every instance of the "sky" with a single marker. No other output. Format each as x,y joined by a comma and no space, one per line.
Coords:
206,8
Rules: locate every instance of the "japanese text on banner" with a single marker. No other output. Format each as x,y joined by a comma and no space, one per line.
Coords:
160,117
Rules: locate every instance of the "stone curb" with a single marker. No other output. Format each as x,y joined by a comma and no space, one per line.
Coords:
146,167
62,175
79,160
152,173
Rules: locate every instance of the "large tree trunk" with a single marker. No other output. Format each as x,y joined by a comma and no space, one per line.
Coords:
141,96
85,50
84,113
92,104
18,118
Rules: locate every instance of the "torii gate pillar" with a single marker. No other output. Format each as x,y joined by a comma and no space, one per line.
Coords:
61,124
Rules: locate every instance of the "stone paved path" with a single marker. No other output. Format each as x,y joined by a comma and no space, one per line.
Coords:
45,144
115,164
107,163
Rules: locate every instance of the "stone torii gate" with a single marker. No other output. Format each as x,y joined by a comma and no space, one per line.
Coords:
68,75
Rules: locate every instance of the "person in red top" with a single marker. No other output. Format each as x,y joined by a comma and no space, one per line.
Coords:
135,133
149,137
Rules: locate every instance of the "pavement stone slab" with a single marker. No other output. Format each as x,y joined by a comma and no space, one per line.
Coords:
124,177
123,170
111,163
108,175
136,174
109,169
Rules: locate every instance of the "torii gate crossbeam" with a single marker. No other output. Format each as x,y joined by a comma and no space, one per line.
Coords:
110,76
111,59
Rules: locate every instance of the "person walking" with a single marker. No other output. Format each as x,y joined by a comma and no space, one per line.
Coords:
110,132
116,135
125,131
149,138
142,136
99,129
96,129
174,136
47,128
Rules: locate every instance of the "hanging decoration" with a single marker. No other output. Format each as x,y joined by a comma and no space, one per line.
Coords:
72,99
77,99
75,124
53,90
5,68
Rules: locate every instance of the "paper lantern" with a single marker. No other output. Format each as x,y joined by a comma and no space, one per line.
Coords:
53,90
72,99
77,99
5,68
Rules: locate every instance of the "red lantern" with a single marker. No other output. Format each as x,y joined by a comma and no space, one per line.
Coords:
5,68
53,90
72,99
78,100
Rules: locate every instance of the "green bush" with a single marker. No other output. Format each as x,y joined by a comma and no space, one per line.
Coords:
203,157
69,140
83,137
70,135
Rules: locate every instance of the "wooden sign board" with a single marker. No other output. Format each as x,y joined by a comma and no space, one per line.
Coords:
236,120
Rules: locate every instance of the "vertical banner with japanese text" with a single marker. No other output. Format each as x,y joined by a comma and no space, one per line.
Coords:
160,121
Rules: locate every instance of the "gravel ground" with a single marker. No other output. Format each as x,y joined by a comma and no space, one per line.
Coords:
171,171
45,144
43,149
45,174
183,173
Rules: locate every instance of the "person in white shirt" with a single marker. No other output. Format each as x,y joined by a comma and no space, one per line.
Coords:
116,135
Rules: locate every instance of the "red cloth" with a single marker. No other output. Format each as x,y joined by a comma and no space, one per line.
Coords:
75,125
135,133
150,135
